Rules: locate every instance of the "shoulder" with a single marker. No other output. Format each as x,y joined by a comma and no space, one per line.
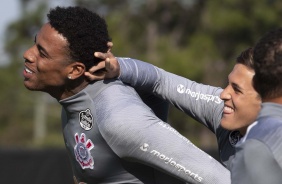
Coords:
252,160
246,151
102,92
267,132
118,103
265,128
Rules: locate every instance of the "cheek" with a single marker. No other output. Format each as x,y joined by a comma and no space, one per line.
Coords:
51,76
256,107
56,77
251,111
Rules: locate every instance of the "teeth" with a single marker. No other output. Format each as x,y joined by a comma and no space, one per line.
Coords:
228,109
27,70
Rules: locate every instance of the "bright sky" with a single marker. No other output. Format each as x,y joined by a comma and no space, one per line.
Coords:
10,11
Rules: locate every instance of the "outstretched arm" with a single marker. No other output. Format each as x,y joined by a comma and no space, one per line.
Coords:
200,101
134,133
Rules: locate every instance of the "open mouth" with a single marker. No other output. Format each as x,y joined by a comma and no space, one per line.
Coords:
28,70
227,109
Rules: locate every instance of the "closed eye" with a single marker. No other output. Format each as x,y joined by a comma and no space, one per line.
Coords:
42,55
236,88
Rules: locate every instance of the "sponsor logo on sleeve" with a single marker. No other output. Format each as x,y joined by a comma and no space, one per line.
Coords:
144,147
82,151
171,162
86,119
198,95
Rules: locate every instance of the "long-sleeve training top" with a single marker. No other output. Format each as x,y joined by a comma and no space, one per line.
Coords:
258,158
113,137
201,102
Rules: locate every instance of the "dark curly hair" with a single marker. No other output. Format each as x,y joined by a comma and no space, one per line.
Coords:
268,65
85,31
246,58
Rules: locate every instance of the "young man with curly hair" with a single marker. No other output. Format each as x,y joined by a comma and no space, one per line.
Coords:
110,134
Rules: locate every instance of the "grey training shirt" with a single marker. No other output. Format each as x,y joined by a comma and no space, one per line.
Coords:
113,137
201,102
258,158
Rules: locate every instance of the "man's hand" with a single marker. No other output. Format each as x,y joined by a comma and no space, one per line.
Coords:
105,69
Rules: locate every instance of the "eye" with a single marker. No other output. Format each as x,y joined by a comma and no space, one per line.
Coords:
236,88
41,51
42,55
237,91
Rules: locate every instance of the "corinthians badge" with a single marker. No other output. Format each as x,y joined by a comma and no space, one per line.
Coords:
82,151
86,119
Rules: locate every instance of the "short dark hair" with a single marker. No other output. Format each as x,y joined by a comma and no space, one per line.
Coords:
268,65
246,58
85,31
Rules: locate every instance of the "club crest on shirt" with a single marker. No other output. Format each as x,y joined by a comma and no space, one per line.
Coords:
86,119
234,137
82,151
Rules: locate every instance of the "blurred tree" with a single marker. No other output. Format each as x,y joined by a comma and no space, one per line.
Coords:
19,108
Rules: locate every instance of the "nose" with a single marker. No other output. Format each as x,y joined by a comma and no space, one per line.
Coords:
225,94
29,55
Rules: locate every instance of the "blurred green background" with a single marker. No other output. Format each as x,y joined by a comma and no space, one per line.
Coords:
197,39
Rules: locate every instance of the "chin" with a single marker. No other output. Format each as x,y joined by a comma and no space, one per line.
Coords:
30,87
27,87
227,125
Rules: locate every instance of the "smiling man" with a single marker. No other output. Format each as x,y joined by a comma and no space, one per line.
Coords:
228,118
258,158
241,101
110,134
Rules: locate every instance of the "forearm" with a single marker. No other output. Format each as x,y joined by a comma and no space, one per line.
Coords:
138,74
173,154
149,141
200,101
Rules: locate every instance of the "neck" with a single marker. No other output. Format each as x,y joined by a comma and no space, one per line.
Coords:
73,91
69,89
273,100
243,131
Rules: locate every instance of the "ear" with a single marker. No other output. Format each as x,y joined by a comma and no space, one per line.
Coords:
77,69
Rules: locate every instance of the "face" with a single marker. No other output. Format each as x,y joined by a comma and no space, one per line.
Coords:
46,62
241,101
